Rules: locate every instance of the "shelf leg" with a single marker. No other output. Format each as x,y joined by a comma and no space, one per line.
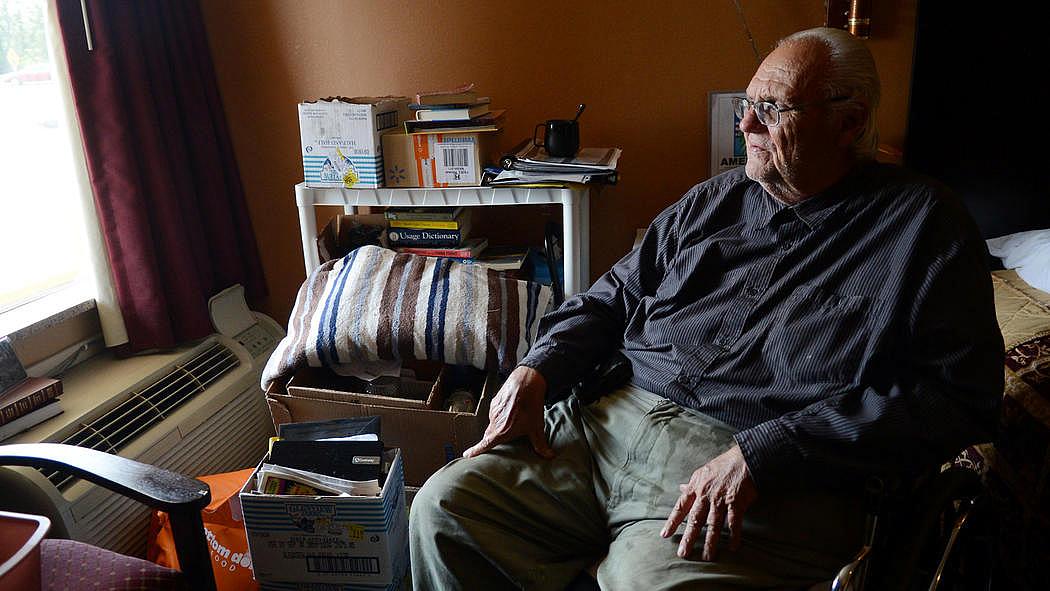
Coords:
585,239
308,229
570,213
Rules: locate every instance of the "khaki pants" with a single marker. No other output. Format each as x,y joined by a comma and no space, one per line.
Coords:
509,519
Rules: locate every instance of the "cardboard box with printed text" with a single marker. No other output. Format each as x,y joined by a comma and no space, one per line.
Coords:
338,542
429,438
438,159
341,139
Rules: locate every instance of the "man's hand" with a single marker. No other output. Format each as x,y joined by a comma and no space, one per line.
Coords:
516,411
719,492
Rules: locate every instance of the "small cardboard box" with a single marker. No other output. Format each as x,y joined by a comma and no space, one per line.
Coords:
429,439
344,543
341,139
438,159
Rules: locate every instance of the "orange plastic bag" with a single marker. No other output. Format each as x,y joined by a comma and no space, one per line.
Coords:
227,542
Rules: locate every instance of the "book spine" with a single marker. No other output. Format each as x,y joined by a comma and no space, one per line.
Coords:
419,216
449,253
28,404
425,224
417,237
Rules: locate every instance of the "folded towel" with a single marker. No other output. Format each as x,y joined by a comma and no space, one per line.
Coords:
375,305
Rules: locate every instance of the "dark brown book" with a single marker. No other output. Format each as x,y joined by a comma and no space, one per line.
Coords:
27,396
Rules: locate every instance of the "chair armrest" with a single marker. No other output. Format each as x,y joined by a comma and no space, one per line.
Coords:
150,485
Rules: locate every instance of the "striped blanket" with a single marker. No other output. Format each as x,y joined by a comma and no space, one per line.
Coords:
377,305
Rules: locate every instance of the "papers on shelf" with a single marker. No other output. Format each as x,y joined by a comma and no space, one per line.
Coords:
519,177
279,480
527,157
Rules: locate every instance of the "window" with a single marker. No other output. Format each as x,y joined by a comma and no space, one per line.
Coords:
42,238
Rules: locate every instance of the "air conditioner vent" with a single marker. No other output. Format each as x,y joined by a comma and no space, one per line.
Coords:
148,406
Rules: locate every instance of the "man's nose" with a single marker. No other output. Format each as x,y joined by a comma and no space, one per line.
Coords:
750,122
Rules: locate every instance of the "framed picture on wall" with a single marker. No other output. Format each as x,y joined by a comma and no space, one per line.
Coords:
728,149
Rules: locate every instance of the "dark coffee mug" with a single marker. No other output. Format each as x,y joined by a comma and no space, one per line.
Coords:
561,137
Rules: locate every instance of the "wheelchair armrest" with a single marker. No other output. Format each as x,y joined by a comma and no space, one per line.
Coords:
150,485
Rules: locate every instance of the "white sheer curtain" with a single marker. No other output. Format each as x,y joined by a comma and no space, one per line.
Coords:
113,330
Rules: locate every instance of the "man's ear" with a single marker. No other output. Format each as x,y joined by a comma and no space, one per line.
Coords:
852,124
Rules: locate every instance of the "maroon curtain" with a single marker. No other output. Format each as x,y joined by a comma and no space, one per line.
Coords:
167,190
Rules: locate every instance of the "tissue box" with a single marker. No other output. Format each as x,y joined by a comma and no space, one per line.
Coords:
341,139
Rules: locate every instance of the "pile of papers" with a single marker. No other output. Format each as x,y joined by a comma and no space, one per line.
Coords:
530,164
340,457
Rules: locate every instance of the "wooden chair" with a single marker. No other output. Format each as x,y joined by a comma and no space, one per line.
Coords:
181,497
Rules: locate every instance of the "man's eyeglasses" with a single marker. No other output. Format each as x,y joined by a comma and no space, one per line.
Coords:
768,113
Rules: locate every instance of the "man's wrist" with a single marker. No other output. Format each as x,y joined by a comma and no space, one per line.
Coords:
556,370
768,453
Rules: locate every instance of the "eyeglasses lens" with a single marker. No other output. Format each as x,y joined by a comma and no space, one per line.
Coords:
767,114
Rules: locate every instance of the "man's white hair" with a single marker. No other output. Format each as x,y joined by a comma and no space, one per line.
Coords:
851,72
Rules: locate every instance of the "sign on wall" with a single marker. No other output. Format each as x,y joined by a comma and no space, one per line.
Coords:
728,149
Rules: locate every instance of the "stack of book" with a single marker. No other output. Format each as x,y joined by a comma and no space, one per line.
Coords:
433,232
24,401
529,164
339,457
460,109
444,232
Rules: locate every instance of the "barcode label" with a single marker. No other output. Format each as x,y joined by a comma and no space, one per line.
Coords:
455,161
455,157
368,565
386,120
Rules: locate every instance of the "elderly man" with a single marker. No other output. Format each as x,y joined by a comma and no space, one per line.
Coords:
793,328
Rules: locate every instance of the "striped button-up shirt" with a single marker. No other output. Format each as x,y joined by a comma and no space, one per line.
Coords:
851,333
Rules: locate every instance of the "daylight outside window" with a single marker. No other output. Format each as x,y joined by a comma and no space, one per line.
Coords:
42,244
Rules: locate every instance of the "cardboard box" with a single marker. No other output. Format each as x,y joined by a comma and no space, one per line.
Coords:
424,393
429,439
344,543
438,159
341,139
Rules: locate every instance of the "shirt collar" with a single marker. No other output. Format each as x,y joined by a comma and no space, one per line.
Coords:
816,209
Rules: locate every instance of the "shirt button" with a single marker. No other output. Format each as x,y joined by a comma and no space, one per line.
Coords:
787,246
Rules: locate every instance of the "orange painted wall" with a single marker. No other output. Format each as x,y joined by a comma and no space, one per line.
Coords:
644,69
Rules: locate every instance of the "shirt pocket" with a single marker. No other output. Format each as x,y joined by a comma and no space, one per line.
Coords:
819,336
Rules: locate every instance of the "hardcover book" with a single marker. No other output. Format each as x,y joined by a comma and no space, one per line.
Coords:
490,121
454,224
425,213
451,114
462,94
27,396
469,250
30,420
416,237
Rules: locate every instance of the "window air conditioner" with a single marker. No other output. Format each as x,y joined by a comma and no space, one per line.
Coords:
198,410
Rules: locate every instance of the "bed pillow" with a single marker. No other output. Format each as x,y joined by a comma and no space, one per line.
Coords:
1028,253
